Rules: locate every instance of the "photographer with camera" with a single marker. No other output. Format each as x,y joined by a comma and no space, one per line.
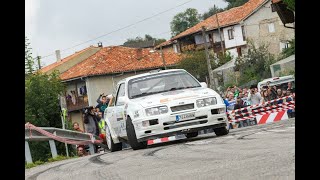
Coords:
91,122
253,96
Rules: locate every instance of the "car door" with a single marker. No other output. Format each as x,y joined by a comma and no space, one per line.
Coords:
110,115
119,108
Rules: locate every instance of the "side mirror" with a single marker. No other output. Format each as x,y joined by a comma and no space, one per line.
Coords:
203,84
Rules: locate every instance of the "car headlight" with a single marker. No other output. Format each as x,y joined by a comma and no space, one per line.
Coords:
156,110
206,102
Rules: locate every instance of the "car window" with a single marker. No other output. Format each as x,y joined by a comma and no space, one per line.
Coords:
156,83
120,93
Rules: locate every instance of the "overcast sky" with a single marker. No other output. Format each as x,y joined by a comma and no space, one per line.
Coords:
61,24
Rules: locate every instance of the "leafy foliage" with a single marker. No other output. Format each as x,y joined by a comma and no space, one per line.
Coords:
290,4
288,51
146,38
184,20
213,10
234,3
29,61
255,64
42,108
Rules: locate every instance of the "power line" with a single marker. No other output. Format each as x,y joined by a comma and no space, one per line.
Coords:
121,28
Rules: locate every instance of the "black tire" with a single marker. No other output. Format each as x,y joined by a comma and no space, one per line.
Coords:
191,135
221,131
112,146
132,138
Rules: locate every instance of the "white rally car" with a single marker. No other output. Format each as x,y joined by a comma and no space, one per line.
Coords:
160,104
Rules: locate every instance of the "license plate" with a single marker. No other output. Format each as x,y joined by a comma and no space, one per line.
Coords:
185,117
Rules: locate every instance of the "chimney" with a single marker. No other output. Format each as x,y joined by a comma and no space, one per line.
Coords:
58,55
99,44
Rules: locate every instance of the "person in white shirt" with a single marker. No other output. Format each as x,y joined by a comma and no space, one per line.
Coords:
253,96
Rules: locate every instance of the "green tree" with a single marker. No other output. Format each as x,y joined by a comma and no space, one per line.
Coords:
184,20
28,59
138,39
213,10
290,4
288,51
42,109
234,3
255,64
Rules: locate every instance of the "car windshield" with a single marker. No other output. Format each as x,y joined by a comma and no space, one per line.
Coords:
158,83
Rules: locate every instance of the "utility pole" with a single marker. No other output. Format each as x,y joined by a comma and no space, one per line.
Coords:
164,62
220,34
63,115
38,58
207,57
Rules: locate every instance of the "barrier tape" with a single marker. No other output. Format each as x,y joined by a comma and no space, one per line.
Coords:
261,113
255,111
57,138
257,105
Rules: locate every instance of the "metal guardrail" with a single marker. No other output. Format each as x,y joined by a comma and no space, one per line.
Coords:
34,135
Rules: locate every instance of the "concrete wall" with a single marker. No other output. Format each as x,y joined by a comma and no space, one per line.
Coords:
76,116
257,29
75,60
238,38
233,52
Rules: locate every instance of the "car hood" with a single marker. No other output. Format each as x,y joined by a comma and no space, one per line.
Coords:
183,94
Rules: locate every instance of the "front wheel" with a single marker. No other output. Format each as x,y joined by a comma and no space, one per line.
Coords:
132,138
112,146
221,131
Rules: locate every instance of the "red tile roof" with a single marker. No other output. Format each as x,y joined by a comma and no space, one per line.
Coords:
58,63
226,18
115,59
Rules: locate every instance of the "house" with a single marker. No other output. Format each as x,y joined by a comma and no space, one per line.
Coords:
64,64
254,20
100,73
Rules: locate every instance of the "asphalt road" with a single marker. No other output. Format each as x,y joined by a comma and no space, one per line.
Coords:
255,152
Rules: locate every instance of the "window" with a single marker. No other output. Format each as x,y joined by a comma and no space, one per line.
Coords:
271,27
284,45
120,93
243,33
230,34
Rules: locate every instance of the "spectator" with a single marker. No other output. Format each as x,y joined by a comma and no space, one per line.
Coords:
228,91
103,103
102,127
91,123
265,96
81,151
76,127
236,91
239,105
254,97
290,86
279,93
272,92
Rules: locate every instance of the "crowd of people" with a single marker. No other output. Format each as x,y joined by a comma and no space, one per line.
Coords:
237,98
94,123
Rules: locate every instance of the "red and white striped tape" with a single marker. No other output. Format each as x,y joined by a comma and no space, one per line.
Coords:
261,111
257,105
260,114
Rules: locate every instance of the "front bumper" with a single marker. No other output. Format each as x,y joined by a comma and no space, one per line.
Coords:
167,125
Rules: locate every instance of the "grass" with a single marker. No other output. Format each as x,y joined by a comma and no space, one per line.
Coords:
37,163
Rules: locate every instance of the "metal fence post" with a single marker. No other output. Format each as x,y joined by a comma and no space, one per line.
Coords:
91,149
53,149
27,152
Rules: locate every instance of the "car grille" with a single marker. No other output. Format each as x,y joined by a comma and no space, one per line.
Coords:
182,107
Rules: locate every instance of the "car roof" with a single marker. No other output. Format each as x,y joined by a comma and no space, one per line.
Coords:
277,79
148,73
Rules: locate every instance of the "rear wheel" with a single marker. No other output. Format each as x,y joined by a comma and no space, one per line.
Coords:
191,135
112,146
221,131
132,138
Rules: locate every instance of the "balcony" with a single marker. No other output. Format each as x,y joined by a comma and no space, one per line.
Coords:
80,103
192,47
